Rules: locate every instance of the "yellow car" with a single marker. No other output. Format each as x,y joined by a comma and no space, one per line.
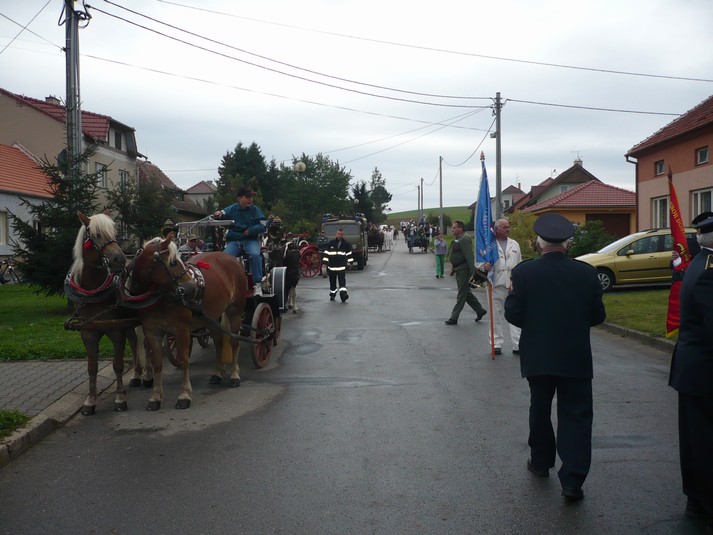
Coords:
642,257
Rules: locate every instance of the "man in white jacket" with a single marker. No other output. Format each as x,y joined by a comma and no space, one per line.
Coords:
508,257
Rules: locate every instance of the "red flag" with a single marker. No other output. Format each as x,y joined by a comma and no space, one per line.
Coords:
681,259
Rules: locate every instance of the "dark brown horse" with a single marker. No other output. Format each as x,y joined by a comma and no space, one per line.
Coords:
186,296
92,284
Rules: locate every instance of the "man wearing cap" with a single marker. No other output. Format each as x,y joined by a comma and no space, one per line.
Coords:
243,235
555,300
463,266
190,247
692,377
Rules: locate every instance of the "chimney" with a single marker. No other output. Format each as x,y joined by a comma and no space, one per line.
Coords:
53,100
578,162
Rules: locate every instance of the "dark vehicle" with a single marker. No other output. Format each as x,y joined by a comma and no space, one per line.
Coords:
355,232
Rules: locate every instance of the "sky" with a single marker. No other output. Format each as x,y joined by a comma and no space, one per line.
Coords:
404,87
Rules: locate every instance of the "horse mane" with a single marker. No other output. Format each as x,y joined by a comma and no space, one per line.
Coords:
99,225
172,248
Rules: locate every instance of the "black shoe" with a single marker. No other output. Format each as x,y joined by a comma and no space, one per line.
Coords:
572,494
498,351
694,509
480,315
515,351
451,322
344,297
539,472
331,297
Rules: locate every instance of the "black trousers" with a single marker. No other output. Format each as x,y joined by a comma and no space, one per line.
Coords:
341,276
695,436
573,442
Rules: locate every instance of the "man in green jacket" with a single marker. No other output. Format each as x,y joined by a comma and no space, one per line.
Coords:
463,266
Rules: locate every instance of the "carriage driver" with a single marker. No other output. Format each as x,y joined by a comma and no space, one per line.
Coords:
243,235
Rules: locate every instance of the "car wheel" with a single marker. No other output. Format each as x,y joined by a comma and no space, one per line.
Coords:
606,279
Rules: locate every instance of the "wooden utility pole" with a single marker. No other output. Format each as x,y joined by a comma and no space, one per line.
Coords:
498,180
440,188
73,103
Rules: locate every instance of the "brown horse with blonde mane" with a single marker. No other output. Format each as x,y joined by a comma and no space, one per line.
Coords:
92,285
181,297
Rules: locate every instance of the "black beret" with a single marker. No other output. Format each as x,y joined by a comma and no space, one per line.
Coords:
554,228
705,226
701,217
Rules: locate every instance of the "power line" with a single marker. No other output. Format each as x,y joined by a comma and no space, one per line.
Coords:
590,107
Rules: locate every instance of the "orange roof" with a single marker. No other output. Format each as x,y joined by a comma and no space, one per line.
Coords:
697,117
202,187
20,174
592,194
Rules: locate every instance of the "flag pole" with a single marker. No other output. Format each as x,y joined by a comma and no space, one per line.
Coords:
492,324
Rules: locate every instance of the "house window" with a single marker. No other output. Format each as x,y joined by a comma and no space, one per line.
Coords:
117,140
659,168
701,155
100,172
3,228
565,187
701,201
506,204
123,178
659,212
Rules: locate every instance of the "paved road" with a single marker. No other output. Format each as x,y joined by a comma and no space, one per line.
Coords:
376,418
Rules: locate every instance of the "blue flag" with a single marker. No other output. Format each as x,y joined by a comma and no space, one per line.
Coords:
486,248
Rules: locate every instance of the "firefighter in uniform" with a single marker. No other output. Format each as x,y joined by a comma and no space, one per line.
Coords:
337,256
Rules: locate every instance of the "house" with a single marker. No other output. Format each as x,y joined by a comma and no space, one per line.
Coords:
40,127
203,194
184,208
684,146
510,195
20,178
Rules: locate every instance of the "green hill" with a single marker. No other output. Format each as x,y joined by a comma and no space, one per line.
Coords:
454,212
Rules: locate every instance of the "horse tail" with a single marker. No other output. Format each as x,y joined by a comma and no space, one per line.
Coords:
226,355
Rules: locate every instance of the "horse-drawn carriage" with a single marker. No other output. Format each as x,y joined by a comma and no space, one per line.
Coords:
418,239
208,296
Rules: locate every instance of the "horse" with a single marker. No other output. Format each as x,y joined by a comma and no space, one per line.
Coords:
92,284
375,238
181,297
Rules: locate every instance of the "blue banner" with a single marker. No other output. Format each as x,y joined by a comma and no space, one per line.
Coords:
486,248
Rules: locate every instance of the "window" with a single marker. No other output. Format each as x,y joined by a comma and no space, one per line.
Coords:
659,212
701,155
123,178
3,228
565,187
647,245
117,140
100,172
701,202
506,204
659,168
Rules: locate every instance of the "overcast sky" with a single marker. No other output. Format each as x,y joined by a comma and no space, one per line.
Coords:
388,84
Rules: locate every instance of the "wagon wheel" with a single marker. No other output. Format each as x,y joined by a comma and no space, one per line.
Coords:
169,349
310,263
203,340
278,330
262,347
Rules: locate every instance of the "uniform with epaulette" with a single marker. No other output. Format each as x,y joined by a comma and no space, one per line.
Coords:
692,377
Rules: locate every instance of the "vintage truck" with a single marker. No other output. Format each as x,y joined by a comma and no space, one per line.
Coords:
354,232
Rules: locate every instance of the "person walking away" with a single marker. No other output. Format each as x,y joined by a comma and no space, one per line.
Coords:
463,266
337,256
692,377
508,257
440,248
244,234
556,300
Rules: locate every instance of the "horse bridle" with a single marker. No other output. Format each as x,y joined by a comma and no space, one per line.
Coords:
89,239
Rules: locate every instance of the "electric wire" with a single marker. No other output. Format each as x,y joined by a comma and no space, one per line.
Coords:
23,28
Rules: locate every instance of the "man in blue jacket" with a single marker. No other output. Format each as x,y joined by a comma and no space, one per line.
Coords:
244,234
555,300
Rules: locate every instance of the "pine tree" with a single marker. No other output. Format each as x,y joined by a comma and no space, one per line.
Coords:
45,242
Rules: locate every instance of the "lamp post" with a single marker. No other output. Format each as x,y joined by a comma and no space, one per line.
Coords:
299,167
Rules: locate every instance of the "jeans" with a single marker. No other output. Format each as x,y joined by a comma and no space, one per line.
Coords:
252,248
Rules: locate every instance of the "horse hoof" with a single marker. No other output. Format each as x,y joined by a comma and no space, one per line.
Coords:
88,410
121,407
215,379
183,403
294,311
148,383
234,383
153,406
134,383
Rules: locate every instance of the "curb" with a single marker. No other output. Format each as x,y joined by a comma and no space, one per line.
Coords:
53,417
659,343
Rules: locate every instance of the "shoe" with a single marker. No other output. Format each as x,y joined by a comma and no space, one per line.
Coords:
694,509
480,315
451,322
344,297
331,297
537,471
572,494
257,290
516,351
498,351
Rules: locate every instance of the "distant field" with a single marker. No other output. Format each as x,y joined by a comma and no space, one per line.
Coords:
454,212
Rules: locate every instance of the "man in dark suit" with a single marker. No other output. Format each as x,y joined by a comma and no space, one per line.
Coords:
555,300
692,377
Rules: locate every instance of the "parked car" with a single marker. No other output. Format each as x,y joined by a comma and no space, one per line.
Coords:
642,257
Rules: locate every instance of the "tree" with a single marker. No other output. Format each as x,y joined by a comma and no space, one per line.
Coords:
245,166
362,200
522,230
380,197
46,246
589,238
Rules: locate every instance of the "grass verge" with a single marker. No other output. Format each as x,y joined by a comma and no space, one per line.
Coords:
11,420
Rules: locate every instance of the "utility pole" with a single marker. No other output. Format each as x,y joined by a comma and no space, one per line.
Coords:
440,188
421,213
74,113
418,201
498,180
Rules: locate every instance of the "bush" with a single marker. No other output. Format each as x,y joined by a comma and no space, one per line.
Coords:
589,238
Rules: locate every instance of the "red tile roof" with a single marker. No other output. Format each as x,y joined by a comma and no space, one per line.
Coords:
202,187
592,194
697,117
94,125
20,173
513,189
